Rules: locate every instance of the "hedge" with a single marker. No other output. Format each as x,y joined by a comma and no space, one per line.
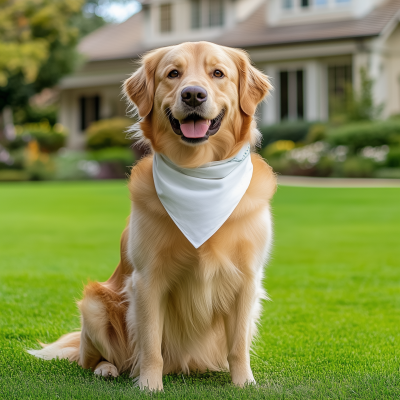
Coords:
294,131
359,135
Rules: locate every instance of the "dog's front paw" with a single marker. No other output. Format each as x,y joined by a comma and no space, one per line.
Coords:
242,377
106,369
150,381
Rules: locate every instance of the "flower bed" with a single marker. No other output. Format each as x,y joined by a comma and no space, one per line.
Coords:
356,150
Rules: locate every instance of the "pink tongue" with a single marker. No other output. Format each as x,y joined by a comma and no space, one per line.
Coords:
195,129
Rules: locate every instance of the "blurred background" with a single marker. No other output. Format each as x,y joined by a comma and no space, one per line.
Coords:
334,64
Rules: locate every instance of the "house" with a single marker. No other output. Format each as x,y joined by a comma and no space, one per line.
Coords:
311,49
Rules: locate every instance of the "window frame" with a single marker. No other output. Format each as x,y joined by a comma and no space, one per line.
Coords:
293,6
87,116
292,101
203,19
196,20
221,17
169,27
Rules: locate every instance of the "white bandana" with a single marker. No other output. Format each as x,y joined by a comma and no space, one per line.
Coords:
199,200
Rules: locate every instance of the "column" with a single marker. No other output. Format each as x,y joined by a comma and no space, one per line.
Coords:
312,95
269,106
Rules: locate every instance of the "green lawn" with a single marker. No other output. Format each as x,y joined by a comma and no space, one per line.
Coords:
331,331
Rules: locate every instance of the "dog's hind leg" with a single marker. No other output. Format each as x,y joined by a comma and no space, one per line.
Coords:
106,370
90,356
104,336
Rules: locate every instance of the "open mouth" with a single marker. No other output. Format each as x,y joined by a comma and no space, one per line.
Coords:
194,128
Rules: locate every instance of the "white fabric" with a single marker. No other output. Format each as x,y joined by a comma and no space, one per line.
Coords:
199,200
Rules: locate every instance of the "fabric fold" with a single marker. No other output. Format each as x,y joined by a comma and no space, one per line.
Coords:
199,200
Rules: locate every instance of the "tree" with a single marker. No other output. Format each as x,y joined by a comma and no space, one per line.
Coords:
361,106
37,46
38,41
88,20
356,105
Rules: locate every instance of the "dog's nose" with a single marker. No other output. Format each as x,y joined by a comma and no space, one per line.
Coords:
194,95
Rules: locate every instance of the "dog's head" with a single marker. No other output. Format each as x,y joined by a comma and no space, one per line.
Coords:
197,101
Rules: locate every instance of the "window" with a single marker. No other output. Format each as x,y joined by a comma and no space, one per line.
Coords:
166,18
298,5
300,94
216,12
207,13
339,82
89,110
196,14
291,95
287,3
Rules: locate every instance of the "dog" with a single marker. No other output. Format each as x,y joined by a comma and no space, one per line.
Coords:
170,306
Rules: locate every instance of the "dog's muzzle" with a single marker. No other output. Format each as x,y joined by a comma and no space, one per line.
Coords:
194,128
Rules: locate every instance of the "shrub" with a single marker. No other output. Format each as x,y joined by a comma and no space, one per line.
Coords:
294,131
361,106
311,160
387,173
114,162
377,154
13,175
113,154
108,133
358,167
277,148
38,165
74,165
282,165
50,138
18,159
326,166
393,157
316,133
36,114
6,159
310,155
359,135
40,170
351,105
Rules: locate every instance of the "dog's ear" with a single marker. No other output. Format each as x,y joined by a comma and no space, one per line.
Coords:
140,87
253,84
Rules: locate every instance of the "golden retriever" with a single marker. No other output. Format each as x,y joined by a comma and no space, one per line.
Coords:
169,307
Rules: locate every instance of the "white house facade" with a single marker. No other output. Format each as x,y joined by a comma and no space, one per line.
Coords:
311,49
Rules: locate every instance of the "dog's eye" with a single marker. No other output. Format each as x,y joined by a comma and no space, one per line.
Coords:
218,73
173,74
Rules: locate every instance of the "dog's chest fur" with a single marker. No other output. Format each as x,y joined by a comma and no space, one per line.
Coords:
199,284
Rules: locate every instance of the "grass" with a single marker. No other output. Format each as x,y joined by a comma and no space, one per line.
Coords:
331,330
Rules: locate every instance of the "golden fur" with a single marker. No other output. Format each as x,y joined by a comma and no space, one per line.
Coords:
169,307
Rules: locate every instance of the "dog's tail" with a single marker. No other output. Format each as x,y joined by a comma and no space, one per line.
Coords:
65,347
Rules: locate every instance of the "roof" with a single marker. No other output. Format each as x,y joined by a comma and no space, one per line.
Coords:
254,31
125,40
115,41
